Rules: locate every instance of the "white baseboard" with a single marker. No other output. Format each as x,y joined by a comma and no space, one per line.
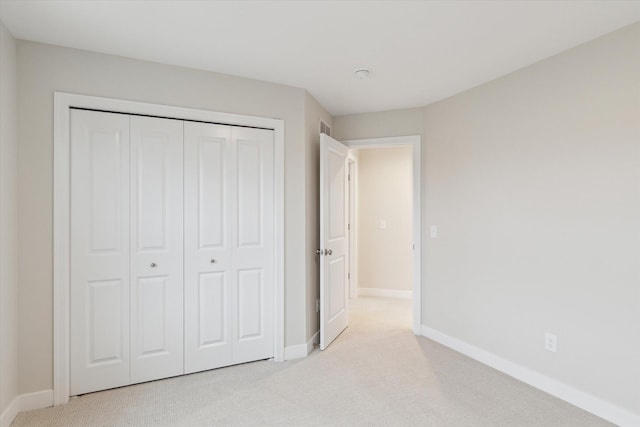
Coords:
26,402
315,339
387,293
9,414
301,350
589,403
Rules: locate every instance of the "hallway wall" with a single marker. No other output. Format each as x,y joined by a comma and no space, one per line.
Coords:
384,188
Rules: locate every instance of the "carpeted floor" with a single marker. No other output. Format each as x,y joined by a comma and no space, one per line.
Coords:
377,373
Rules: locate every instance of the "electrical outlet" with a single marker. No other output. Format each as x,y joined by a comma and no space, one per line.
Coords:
383,224
317,305
550,342
434,231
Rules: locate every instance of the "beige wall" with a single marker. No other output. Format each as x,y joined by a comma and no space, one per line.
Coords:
8,220
43,69
385,256
313,112
533,181
379,125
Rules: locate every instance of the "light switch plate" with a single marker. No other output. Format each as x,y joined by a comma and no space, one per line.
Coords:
383,224
434,231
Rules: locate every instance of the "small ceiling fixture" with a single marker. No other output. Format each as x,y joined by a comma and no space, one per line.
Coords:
362,73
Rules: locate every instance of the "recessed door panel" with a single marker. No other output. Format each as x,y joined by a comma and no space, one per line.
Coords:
211,191
151,189
99,266
250,304
212,310
153,328
336,194
106,191
337,297
105,302
250,195
156,248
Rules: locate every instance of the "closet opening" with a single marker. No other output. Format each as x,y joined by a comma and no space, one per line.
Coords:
156,206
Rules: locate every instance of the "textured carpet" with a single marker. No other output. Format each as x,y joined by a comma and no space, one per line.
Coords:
377,373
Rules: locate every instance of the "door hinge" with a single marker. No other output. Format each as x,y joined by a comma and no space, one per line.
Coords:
349,227
348,177
349,276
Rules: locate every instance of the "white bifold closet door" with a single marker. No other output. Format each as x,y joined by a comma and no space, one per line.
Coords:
172,258
126,314
156,248
99,311
229,243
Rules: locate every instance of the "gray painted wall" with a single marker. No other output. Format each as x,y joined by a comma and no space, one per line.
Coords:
8,221
533,181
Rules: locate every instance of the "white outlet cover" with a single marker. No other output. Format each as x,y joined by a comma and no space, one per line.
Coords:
434,231
383,224
550,342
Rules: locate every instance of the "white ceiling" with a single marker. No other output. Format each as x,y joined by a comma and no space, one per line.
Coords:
419,51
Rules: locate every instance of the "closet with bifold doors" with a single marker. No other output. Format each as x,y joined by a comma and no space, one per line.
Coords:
172,248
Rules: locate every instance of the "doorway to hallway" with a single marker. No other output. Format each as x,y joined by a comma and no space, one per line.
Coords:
339,231
380,203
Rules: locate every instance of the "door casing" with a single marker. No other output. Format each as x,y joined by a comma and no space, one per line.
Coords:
63,102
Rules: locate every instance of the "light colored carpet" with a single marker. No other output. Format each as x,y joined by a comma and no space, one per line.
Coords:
377,373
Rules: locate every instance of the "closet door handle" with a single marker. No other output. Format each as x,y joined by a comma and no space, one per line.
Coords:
213,261
154,265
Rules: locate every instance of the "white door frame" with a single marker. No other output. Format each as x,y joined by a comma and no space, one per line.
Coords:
414,142
352,164
63,102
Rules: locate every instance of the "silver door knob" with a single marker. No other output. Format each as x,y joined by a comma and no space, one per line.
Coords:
154,265
213,261
324,251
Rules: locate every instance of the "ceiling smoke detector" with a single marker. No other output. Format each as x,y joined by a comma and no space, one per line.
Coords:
362,73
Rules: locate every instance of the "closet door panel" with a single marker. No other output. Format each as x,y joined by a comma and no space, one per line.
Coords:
253,240
156,248
212,307
250,304
99,310
208,227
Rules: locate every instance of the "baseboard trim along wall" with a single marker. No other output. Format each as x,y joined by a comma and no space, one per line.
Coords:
26,402
387,293
301,350
9,414
582,400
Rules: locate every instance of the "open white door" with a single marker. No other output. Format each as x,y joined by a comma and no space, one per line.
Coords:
334,246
